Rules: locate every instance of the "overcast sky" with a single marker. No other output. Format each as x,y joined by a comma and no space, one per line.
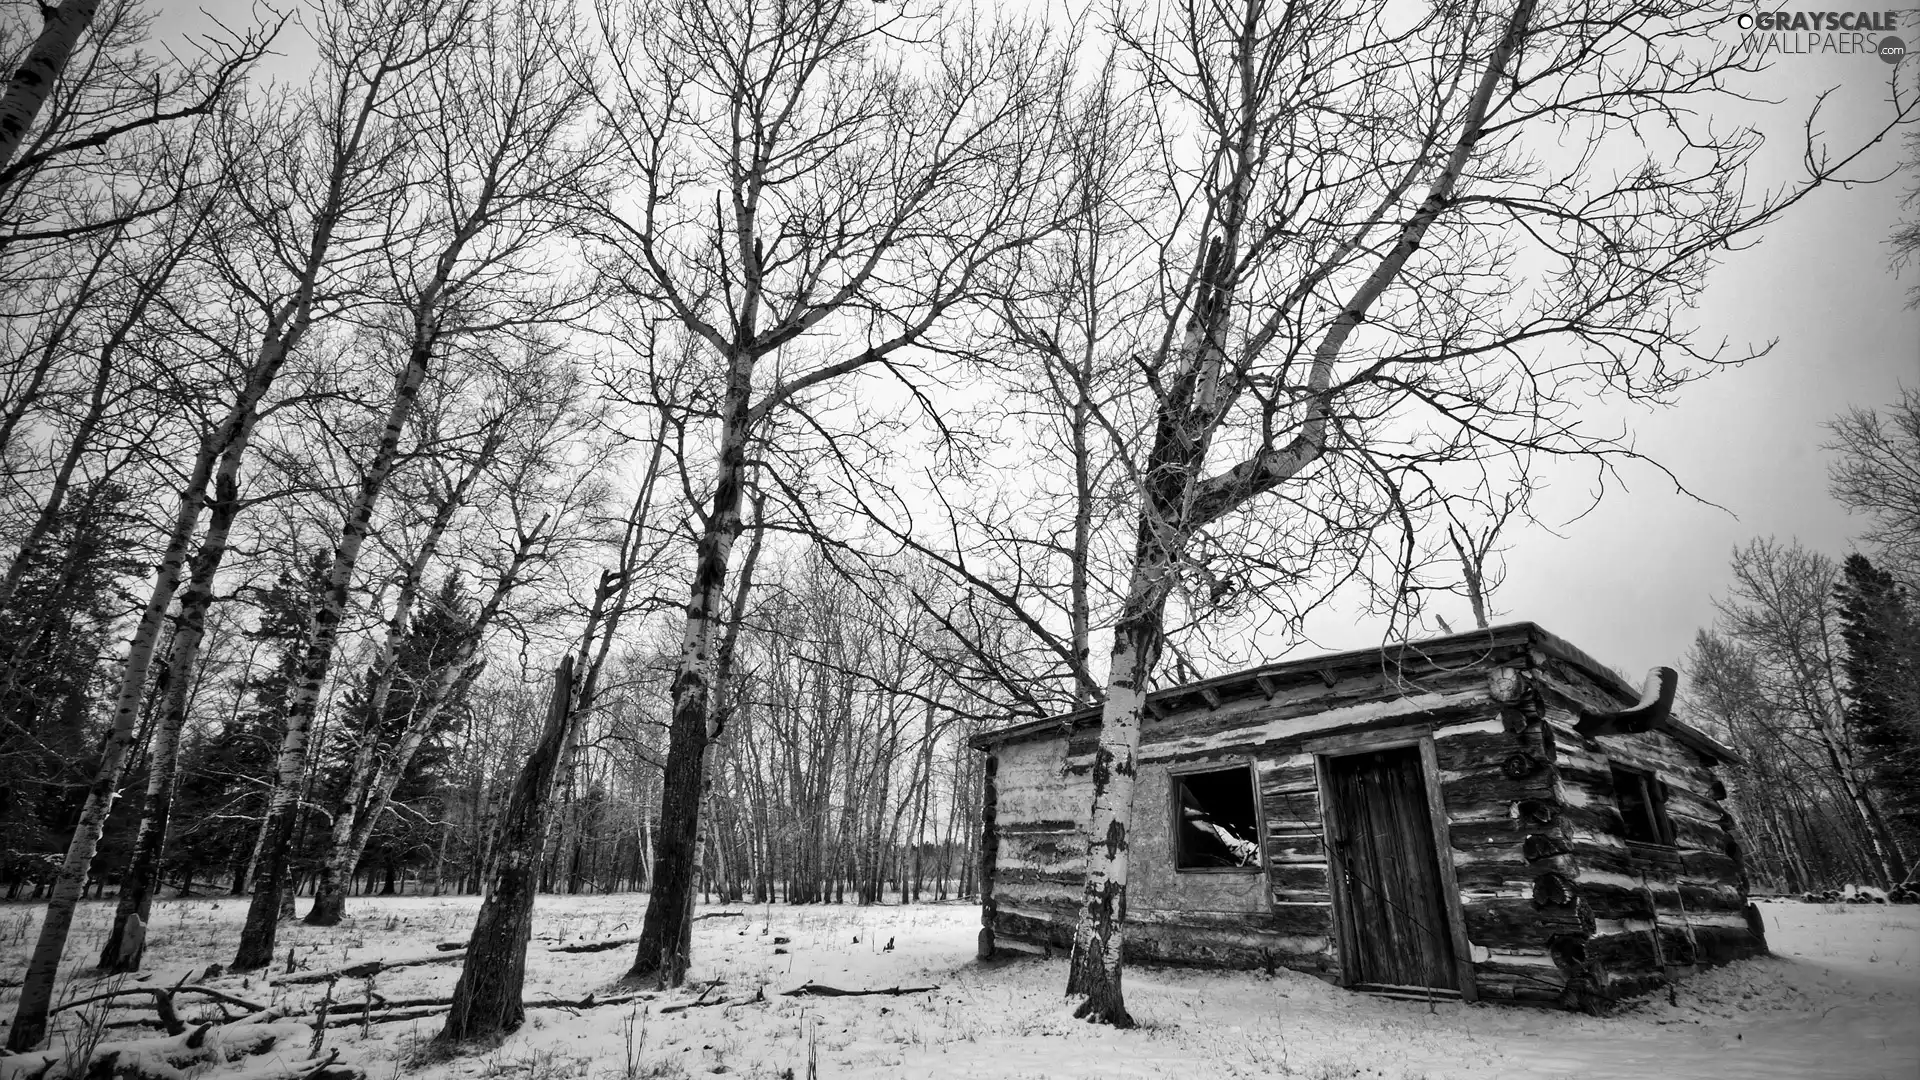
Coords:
1632,581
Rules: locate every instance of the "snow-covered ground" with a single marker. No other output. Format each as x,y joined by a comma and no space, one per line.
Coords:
1840,999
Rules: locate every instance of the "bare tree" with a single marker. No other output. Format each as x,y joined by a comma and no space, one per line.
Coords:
1380,274
34,79
85,105
1779,611
1878,475
531,417
808,206
491,134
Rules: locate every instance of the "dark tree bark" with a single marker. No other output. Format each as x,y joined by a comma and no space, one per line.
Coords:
486,1000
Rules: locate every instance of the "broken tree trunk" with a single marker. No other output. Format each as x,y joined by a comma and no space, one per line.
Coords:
486,1000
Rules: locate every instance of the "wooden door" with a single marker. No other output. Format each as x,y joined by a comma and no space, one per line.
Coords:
1396,932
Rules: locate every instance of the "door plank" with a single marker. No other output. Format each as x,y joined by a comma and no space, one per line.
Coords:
1398,924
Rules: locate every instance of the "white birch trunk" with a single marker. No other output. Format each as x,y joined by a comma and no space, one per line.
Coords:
40,70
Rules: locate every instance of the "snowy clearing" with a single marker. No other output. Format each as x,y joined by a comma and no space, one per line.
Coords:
1839,1000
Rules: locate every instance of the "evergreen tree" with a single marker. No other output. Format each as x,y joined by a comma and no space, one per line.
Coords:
433,641
226,775
52,637
1882,677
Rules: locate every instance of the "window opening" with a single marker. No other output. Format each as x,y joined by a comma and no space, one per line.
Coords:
1643,804
1217,823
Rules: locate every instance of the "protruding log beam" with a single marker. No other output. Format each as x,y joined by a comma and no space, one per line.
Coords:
1653,708
1505,686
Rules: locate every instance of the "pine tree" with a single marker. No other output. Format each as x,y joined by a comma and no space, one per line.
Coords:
1882,677
225,776
52,637
434,641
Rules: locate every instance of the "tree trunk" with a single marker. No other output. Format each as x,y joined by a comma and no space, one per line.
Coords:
486,1000
1095,970
1176,501
356,802
225,442
668,924
34,81
190,628
257,938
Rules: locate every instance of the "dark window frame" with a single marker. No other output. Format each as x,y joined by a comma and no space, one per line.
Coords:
1177,780
1641,798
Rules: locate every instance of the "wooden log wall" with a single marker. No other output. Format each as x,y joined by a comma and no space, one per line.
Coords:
1558,908
1497,784
1034,849
1658,912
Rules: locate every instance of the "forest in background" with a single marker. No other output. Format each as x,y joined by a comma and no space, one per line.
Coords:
558,446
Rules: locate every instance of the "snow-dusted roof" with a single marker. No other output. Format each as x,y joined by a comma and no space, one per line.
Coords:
1408,657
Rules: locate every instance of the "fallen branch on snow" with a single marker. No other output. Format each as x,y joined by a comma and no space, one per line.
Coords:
595,946
369,967
813,989
162,996
614,943
701,1002
401,1009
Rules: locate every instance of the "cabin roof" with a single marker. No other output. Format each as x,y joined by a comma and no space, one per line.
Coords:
1410,657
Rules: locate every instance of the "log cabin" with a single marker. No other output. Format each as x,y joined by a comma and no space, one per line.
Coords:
1484,816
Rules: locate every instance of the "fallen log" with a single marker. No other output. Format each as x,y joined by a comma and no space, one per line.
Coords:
615,943
168,1057
595,946
166,1016
390,1011
368,967
163,991
814,989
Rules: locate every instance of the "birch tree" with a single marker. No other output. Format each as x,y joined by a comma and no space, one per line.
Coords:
1779,611
1374,265
34,79
491,158
531,417
1877,475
